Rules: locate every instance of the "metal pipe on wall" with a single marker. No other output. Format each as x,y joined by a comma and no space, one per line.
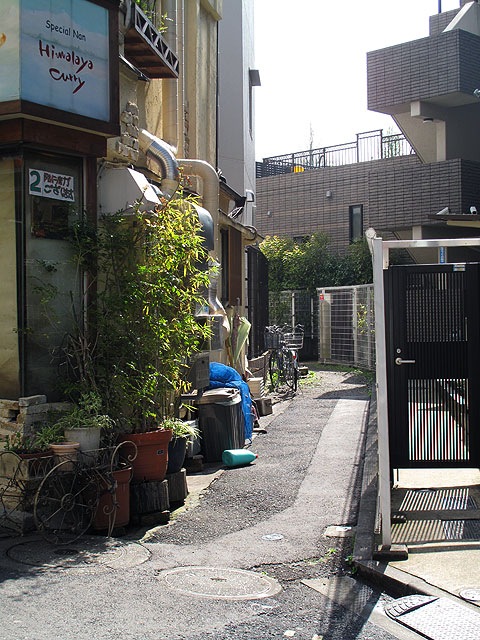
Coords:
170,87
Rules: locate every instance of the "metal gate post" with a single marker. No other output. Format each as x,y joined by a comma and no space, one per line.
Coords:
382,405
355,326
369,328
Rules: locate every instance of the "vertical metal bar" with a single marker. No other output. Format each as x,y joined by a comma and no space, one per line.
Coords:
369,328
355,325
382,402
312,317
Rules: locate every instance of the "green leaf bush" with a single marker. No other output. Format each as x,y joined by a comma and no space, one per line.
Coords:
145,277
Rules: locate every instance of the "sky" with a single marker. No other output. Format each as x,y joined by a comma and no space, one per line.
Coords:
312,55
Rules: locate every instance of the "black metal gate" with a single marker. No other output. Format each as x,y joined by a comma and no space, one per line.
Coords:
257,299
433,373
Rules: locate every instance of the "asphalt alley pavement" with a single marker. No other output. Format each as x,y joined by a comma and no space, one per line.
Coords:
258,536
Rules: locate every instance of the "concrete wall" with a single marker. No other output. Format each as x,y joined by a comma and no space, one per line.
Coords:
200,80
9,360
236,140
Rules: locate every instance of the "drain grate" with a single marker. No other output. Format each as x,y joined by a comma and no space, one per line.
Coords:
461,529
435,618
226,584
86,555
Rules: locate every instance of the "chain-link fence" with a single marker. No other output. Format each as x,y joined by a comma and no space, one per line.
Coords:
346,325
339,323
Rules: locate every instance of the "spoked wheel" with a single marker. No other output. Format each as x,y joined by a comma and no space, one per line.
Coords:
66,502
274,369
289,370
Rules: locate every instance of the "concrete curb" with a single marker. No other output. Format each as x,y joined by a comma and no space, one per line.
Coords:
377,572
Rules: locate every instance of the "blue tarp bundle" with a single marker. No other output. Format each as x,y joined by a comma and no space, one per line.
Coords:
223,376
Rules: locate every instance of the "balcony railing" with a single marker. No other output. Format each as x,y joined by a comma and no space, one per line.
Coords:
370,145
145,46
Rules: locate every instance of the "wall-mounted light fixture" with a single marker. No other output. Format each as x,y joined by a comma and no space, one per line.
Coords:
269,213
427,120
329,194
254,76
476,93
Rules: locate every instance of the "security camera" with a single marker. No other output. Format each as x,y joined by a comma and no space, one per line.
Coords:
473,210
445,211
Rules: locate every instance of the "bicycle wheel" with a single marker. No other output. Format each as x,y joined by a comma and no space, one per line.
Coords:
289,369
295,374
66,502
274,369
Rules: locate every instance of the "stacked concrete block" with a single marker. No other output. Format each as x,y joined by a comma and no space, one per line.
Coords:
127,146
22,415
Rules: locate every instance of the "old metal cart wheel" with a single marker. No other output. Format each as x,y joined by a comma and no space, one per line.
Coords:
65,502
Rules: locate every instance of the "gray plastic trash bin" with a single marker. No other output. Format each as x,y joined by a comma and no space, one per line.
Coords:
221,427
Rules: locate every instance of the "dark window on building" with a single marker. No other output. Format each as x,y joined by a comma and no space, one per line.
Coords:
232,277
225,291
356,222
300,239
253,81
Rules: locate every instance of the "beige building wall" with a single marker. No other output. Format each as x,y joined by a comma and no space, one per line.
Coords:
9,362
182,111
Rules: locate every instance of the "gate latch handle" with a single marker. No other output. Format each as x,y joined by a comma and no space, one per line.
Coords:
400,361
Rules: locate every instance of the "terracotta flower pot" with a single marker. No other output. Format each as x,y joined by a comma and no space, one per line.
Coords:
63,451
107,512
151,461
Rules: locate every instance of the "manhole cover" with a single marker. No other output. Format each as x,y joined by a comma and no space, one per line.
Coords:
272,536
227,584
473,595
86,554
435,618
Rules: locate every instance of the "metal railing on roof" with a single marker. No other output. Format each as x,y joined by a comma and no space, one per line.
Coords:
368,146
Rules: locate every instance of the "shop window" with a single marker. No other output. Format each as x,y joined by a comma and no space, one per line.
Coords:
356,222
49,220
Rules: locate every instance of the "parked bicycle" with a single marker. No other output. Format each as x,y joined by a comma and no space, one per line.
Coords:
284,344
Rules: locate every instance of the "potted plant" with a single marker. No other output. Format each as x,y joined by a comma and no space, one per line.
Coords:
52,435
34,454
85,422
47,434
183,432
146,276
26,447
